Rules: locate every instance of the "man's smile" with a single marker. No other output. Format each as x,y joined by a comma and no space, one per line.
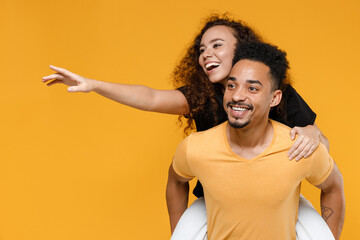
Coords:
238,110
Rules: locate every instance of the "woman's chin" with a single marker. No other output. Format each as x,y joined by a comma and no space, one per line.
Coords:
222,81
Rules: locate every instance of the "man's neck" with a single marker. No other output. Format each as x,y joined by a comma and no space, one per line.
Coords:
250,141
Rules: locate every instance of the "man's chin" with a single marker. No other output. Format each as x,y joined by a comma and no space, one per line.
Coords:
238,125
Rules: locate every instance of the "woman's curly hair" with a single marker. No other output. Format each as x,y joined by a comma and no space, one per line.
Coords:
188,73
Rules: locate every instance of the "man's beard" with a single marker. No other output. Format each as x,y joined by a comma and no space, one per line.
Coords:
238,125
239,104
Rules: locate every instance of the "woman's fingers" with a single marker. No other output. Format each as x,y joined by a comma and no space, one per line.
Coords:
53,76
294,147
306,143
312,149
293,132
299,146
77,89
76,82
303,150
63,71
54,82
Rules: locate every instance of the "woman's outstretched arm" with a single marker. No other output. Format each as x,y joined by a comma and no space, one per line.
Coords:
136,96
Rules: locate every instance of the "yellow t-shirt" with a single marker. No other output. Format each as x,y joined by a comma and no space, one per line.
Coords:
249,199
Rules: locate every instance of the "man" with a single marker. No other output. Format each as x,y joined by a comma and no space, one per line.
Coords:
251,188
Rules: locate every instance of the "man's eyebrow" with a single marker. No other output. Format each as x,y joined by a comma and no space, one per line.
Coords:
248,81
254,82
213,40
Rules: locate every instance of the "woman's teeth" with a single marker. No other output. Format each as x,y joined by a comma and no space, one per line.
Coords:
211,65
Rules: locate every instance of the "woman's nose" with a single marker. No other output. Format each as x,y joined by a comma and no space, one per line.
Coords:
208,52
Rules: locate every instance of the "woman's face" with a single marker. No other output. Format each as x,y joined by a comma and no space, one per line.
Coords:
217,52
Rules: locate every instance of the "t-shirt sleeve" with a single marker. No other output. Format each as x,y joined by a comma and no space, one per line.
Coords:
183,90
297,110
180,161
322,165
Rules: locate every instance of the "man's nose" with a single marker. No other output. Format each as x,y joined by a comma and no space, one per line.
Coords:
239,95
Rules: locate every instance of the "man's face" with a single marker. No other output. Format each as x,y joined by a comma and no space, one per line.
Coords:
248,95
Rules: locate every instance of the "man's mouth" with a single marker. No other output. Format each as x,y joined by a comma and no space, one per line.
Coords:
239,109
211,65
238,106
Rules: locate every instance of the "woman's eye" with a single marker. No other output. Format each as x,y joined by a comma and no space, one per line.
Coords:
202,50
217,45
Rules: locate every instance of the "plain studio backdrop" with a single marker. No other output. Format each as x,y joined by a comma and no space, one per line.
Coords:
78,166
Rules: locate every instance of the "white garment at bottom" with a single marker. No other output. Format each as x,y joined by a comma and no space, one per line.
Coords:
193,223
310,225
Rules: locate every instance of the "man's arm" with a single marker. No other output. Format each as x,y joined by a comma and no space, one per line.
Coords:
177,193
333,202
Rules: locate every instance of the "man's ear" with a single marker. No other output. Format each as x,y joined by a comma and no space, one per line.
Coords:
277,95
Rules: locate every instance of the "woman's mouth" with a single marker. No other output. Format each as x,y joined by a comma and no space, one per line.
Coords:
211,65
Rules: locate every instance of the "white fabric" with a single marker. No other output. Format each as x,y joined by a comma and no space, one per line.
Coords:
193,223
310,225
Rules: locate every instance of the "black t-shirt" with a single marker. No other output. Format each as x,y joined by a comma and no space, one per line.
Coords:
298,113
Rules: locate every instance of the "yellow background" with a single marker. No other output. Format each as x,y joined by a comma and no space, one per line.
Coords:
79,166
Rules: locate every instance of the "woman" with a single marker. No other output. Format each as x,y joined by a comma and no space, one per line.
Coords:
201,74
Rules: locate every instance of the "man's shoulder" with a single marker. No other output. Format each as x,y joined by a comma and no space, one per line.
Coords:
320,152
213,135
210,132
282,135
281,129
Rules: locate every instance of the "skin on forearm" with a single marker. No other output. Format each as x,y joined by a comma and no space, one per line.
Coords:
143,98
333,202
177,193
323,139
136,96
333,210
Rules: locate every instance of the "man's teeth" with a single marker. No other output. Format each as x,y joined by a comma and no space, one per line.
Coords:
212,64
239,108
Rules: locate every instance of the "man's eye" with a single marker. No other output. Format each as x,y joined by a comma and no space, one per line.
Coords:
217,45
231,86
253,89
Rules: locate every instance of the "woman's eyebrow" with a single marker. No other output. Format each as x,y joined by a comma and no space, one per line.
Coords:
213,40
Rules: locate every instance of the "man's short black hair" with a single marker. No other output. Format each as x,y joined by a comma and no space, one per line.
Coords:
269,55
